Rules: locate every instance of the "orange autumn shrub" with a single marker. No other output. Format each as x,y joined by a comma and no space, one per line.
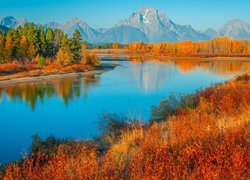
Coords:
10,68
69,162
76,68
209,141
15,67
50,67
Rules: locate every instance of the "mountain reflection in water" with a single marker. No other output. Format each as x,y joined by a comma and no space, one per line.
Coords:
72,107
148,76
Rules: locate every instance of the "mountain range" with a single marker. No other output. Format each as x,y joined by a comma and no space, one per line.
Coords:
148,25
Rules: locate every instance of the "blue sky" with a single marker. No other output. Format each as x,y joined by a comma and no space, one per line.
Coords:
201,14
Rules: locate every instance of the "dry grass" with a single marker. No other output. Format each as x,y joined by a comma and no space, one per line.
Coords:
17,70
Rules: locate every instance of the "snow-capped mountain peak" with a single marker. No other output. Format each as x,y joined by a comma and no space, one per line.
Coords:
145,18
158,27
146,25
151,13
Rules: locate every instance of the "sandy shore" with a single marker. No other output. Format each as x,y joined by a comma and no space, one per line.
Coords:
14,81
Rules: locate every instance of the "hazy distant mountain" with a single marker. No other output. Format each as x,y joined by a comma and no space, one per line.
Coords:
122,34
211,33
12,22
146,25
236,29
3,29
53,25
159,28
89,34
102,30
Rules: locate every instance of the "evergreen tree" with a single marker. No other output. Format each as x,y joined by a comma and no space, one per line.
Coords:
49,43
64,42
25,30
14,34
2,39
30,42
41,41
32,37
76,46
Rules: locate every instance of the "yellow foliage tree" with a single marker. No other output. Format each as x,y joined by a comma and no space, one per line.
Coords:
22,52
248,49
31,51
8,49
90,59
115,45
63,57
218,46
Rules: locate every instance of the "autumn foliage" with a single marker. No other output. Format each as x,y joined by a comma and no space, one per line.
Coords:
115,45
221,46
207,141
32,50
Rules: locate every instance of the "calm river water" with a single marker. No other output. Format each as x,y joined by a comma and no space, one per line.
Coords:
71,108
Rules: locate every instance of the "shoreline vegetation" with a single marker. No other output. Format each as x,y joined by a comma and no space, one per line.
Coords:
149,56
221,48
21,73
204,134
32,51
37,51
10,80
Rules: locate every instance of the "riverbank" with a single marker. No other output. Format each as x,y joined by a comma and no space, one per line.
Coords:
18,78
149,56
52,73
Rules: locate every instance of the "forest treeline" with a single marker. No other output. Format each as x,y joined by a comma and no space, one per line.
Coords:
49,51
33,43
221,46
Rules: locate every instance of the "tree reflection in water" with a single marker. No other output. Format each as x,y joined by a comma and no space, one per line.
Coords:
147,74
66,89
